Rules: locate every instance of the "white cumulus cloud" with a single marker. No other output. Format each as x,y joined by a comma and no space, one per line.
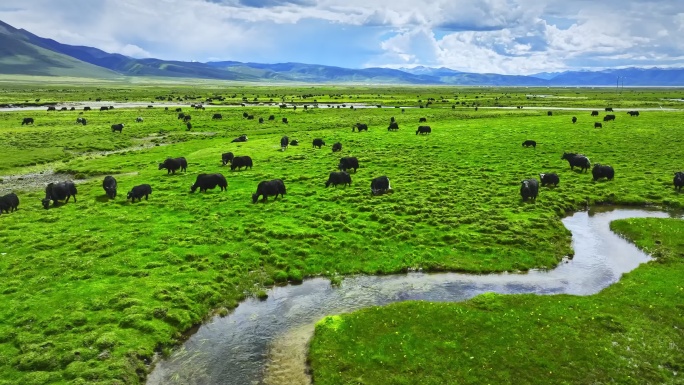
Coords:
505,36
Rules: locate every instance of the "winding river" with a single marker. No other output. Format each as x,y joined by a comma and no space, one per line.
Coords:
265,342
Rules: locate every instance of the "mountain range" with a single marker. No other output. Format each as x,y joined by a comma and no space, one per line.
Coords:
23,53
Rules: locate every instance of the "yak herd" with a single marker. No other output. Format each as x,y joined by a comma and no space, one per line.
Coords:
529,189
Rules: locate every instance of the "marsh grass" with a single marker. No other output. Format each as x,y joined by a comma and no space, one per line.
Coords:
92,289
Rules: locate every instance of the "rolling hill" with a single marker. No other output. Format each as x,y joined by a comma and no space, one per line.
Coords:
23,53
18,56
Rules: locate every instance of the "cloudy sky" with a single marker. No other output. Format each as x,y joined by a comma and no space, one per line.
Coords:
502,36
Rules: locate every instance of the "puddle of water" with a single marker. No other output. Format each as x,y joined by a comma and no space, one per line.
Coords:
265,342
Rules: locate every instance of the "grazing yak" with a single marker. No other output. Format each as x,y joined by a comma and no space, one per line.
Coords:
241,161
51,108
294,142
609,109
598,125
594,113
394,126
9,202
549,179
188,125
423,130
227,157
117,127
138,192
337,147
284,142
179,109
574,119
104,108
86,108
251,117
139,119
269,188
27,121
261,120
240,139
608,118
338,177
318,142
380,185
59,191
174,164
678,180
577,160
347,163
549,113
633,113
109,185
529,143
285,120
600,171
360,127
271,117
209,181
181,115
529,189
187,118
422,120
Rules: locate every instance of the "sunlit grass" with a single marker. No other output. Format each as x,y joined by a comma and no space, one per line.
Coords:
629,333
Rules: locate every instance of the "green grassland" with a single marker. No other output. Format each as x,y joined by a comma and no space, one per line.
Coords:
92,289
24,91
630,333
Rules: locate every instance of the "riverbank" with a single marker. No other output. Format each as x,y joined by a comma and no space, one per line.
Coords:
280,327
632,332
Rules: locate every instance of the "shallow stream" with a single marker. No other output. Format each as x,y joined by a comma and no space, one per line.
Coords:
265,342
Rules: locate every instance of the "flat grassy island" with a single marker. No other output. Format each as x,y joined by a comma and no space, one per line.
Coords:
93,289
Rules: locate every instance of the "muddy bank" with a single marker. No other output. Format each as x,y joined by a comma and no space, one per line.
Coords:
31,181
38,180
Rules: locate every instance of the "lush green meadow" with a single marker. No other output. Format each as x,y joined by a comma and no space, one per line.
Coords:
92,289
630,333
21,91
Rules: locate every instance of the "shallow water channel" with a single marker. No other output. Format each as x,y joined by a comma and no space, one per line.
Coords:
265,342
